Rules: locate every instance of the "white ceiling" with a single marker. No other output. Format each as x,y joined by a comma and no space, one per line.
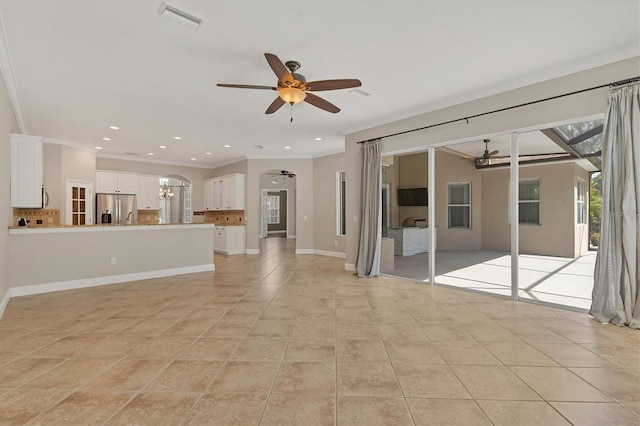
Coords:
78,67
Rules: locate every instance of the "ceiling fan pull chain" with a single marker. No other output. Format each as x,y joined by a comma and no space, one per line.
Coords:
291,121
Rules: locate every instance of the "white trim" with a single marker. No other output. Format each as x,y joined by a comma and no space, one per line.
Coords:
291,236
111,279
252,251
305,251
106,228
350,267
284,231
142,159
6,65
330,253
4,302
69,144
229,252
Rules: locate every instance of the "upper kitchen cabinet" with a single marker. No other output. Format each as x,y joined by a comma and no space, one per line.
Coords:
114,182
225,193
26,171
149,192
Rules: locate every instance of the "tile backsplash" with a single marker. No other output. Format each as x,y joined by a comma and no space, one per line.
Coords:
148,216
38,218
225,217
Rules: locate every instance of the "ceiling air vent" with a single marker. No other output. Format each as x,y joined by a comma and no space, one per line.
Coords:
258,146
179,16
132,153
359,92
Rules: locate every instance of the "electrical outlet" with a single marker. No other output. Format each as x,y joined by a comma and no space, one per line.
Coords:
114,260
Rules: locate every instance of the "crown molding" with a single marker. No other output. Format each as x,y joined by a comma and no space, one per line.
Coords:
6,66
149,160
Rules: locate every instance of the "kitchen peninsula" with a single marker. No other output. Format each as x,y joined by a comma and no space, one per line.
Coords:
69,257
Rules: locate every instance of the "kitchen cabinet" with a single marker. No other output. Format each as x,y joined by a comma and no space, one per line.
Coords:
148,192
209,202
225,193
26,171
113,182
229,239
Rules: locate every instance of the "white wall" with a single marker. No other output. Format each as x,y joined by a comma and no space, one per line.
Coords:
521,119
8,125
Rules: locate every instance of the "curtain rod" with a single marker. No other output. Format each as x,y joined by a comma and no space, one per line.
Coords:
615,83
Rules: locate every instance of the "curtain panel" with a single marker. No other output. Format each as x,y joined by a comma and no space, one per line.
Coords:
616,277
368,259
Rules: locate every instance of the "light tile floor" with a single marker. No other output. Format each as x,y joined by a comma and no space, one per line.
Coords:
282,339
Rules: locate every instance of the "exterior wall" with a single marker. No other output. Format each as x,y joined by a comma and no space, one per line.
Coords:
555,236
393,179
325,198
563,109
451,169
197,175
8,125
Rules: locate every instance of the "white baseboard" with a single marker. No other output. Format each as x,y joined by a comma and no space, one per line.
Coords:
284,231
305,251
5,302
330,253
111,279
350,267
252,251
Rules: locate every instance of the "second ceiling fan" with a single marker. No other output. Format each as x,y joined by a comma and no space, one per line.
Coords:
293,88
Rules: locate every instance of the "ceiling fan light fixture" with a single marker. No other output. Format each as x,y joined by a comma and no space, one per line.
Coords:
292,95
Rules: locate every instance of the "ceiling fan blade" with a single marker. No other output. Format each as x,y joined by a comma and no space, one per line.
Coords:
278,68
317,101
246,86
275,105
492,153
320,85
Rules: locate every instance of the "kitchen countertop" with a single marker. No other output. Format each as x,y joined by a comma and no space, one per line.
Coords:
102,228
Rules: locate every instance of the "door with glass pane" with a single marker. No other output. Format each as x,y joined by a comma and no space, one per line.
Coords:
79,203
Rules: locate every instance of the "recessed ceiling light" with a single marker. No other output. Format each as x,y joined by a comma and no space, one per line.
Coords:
318,139
193,158
287,147
163,147
227,146
114,127
150,153
177,138
98,147
106,139
207,153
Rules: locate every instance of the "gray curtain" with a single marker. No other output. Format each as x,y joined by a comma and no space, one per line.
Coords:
368,260
616,278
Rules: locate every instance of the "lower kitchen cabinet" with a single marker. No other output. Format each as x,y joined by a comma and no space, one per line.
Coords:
229,239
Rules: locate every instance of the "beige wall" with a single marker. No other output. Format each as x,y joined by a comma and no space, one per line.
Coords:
325,236
555,236
412,173
520,119
288,184
52,175
393,179
197,175
237,167
8,125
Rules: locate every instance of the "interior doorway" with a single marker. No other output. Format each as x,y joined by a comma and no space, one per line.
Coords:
278,204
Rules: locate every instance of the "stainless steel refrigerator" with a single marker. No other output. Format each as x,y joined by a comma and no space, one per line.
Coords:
116,209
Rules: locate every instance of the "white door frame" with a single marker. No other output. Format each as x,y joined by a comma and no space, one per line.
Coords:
264,229
88,185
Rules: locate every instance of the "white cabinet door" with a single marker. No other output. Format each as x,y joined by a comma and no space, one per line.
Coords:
209,194
26,171
218,194
229,239
220,239
112,182
127,183
149,192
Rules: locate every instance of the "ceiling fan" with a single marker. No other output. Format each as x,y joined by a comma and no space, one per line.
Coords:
283,173
293,87
485,160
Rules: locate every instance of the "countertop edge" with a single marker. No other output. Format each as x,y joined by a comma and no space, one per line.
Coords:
113,228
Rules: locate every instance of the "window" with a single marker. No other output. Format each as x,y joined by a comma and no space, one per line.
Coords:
580,210
273,209
529,201
341,206
459,205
